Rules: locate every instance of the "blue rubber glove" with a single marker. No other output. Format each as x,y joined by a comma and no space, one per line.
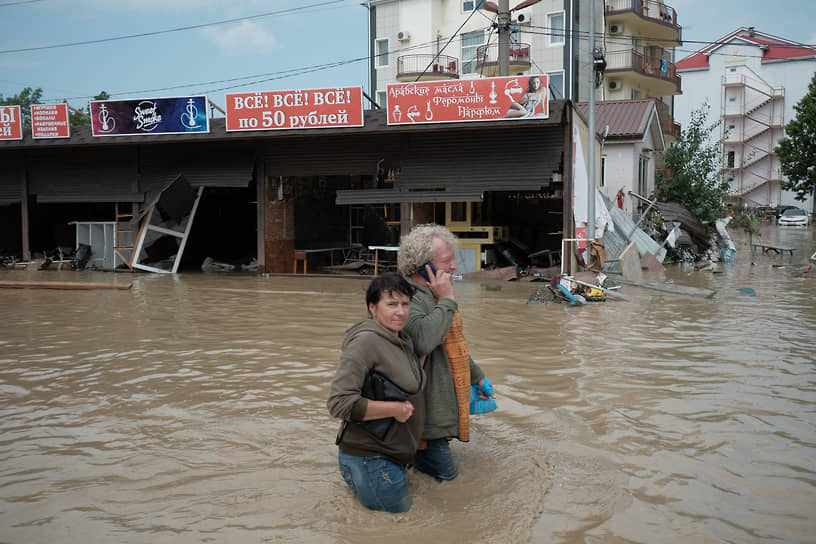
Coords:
487,387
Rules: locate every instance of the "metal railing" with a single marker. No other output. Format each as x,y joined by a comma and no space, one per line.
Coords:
489,54
440,65
635,61
649,9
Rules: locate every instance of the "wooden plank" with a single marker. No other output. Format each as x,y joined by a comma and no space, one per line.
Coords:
61,285
672,288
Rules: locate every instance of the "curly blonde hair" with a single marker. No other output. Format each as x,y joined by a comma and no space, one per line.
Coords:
416,247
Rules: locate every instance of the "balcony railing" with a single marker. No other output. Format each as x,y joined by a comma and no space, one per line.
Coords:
488,55
631,60
429,66
667,124
648,9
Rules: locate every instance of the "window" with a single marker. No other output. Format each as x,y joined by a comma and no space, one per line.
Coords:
635,95
603,170
555,23
515,32
556,84
470,5
459,212
382,53
731,159
470,43
643,176
382,99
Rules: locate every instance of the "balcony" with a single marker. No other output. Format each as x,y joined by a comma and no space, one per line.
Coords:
650,20
669,127
653,73
427,68
487,59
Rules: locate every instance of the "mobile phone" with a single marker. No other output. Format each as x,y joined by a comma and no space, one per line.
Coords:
424,273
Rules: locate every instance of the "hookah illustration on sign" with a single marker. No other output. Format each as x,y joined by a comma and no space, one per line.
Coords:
428,112
472,88
396,114
108,122
512,87
493,94
189,119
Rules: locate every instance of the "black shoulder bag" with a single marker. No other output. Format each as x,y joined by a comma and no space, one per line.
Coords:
377,387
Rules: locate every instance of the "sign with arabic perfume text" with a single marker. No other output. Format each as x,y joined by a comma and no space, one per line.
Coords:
486,99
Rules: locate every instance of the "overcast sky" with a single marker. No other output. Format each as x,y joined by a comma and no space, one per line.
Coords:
287,45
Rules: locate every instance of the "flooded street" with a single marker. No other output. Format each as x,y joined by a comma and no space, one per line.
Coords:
193,409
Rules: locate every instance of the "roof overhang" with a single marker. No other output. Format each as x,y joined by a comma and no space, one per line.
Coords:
390,196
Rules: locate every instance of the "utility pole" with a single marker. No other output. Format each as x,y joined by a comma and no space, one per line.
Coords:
504,37
591,151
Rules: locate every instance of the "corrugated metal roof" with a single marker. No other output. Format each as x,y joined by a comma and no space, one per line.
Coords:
626,118
629,231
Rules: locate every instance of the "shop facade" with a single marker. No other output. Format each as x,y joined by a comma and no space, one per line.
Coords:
272,194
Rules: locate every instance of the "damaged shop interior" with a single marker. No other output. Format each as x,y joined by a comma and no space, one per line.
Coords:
158,208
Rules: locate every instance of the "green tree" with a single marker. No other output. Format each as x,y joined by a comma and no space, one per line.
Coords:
694,175
81,116
26,97
797,150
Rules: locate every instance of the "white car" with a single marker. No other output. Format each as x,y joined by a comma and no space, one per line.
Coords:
794,217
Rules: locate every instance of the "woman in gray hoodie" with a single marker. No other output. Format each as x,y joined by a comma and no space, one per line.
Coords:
378,438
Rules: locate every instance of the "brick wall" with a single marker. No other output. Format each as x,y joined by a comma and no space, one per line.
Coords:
279,231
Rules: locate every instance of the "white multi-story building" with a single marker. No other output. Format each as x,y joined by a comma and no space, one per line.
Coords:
640,37
752,81
425,40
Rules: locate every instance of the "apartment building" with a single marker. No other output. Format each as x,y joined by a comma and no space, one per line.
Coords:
428,40
640,37
752,81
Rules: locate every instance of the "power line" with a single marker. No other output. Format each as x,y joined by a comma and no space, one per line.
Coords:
282,74
613,37
169,30
278,75
7,4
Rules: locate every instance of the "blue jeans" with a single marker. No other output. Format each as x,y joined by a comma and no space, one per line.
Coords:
436,460
378,483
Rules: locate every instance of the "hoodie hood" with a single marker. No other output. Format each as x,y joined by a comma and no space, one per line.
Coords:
369,325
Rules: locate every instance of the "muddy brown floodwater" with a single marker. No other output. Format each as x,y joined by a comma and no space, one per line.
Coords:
193,409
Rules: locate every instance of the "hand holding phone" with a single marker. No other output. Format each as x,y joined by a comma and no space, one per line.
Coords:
440,283
424,271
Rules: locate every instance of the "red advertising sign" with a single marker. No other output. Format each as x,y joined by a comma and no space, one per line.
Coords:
487,99
11,125
50,121
280,110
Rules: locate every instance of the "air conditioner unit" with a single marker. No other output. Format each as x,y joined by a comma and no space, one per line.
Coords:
616,29
403,35
615,85
524,16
